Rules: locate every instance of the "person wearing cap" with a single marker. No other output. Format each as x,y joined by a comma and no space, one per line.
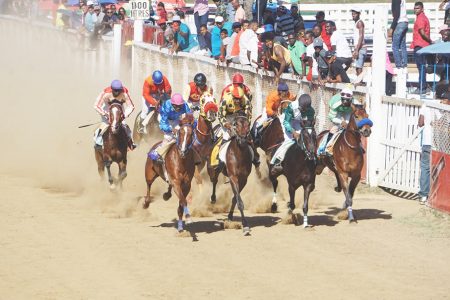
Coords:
168,34
216,41
237,80
284,24
279,57
296,115
339,44
297,50
234,41
182,35
299,24
320,19
336,73
114,92
195,89
340,106
155,91
221,9
320,59
359,48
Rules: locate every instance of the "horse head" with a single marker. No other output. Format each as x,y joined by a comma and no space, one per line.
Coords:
241,128
307,140
116,115
209,107
185,134
362,122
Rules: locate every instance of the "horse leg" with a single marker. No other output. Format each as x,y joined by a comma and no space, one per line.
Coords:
197,173
237,199
351,190
291,204
348,198
213,176
168,194
100,163
110,178
338,187
150,176
307,190
274,181
122,171
181,205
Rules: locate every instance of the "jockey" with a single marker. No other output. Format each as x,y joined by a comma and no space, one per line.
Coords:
116,91
195,89
273,102
238,81
155,91
339,115
296,114
171,112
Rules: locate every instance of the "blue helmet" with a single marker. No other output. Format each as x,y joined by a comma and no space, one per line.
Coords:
157,77
116,85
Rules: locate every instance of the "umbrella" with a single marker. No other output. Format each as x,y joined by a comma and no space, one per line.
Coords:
438,48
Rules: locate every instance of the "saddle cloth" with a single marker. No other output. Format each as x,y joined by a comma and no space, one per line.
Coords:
327,148
162,150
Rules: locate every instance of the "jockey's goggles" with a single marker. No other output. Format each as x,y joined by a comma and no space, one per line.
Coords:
177,107
347,96
117,91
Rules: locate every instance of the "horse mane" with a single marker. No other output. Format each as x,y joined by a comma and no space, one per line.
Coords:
115,102
187,119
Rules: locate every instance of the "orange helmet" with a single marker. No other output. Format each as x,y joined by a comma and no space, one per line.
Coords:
238,78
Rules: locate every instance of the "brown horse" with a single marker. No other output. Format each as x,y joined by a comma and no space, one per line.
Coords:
180,165
115,145
299,168
237,166
348,156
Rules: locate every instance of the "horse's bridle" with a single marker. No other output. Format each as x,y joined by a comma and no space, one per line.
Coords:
356,133
301,143
178,137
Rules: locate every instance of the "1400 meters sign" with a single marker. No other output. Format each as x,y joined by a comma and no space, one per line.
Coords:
140,9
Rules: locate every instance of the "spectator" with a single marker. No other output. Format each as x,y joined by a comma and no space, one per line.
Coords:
239,13
170,15
284,24
182,36
100,15
248,45
205,46
59,22
221,9
298,19
297,50
317,31
123,14
248,7
320,19
89,23
230,11
216,41
167,33
279,57
309,64
201,11
237,31
108,22
444,31
321,60
336,72
339,44
268,18
360,51
278,39
161,11
421,38
399,27
113,9
225,48
445,5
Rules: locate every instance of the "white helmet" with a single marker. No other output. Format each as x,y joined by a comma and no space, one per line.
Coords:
346,94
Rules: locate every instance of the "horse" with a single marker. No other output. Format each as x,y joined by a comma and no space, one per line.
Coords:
115,145
237,166
179,164
299,168
348,156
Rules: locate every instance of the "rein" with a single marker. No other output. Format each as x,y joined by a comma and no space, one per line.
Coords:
355,133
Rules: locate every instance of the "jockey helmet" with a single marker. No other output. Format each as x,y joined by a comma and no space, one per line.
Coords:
177,99
238,78
238,93
200,79
283,87
157,77
304,101
116,85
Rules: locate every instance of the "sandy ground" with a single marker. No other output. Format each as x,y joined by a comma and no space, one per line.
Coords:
64,235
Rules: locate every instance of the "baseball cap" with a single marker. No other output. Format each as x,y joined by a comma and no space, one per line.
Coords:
318,43
176,18
89,3
329,54
443,27
218,19
357,9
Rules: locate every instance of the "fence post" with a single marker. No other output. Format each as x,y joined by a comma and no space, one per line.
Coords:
138,30
117,47
375,153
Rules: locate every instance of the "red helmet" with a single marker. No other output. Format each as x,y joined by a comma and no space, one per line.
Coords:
238,78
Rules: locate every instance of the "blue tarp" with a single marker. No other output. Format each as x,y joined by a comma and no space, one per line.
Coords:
438,48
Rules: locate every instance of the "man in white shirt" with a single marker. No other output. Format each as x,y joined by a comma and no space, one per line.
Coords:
339,44
239,14
248,45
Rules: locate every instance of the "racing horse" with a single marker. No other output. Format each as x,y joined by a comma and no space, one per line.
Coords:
271,138
237,165
204,131
299,168
348,155
115,145
180,166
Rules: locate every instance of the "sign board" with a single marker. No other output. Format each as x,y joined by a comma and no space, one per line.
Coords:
140,9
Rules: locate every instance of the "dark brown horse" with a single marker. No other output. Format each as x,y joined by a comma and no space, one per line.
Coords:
180,166
299,168
237,166
115,145
348,156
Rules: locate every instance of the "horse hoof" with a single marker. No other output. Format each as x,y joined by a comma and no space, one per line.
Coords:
146,204
274,208
246,231
112,186
338,189
189,220
166,196
213,199
352,221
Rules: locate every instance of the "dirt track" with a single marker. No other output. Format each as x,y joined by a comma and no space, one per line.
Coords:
65,236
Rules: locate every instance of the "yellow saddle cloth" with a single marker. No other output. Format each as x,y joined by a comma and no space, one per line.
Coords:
214,160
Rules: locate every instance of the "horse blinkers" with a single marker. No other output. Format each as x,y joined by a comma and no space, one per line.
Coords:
308,144
360,113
